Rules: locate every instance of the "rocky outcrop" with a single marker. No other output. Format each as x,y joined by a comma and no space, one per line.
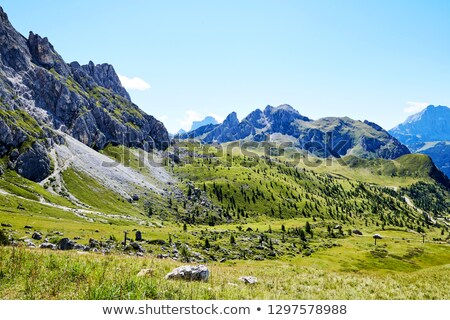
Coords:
44,55
39,93
34,163
105,76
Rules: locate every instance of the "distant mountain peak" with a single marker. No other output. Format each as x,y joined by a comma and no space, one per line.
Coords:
206,121
231,119
424,131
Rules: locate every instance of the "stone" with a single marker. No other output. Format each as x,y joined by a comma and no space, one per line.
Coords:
138,236
135,197
47,245
6,225
28,227
29,243
93,243
36,236
248,279
157,242
79,247
66,244
145,273
136,246
189,273
14,155
357,232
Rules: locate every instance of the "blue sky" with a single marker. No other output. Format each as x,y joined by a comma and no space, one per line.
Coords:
376,60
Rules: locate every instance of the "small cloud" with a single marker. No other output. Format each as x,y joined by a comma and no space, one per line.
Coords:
189,117
414,107
218,118
134,83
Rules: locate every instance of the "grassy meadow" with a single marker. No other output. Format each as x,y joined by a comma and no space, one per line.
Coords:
290,225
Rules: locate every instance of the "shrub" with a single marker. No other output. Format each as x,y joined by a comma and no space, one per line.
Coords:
4,239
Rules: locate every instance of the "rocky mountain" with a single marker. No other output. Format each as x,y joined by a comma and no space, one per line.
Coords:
204,122
325,137
41,94
428,132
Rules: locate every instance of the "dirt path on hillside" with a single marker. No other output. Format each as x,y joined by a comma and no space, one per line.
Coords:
81,213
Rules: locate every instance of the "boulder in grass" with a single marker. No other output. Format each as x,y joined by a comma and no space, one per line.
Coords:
357,232
36,236
66,244
47,245
136,246
248,279
189,273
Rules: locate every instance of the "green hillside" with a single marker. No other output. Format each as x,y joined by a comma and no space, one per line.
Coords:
237,213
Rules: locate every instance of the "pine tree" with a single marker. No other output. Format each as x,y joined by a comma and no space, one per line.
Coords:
232,239
308,227
302,235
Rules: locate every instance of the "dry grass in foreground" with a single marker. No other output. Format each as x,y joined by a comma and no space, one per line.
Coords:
33,274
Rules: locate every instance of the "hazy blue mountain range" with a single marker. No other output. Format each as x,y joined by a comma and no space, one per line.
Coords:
428,132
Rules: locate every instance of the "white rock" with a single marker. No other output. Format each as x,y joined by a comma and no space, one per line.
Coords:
190,273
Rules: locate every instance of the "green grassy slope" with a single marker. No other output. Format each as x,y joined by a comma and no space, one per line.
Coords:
289,225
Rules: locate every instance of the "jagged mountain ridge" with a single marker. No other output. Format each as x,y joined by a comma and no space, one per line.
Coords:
39,92
324,137
428,132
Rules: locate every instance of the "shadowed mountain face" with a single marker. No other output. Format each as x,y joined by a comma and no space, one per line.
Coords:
39,93
428,132
335,137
